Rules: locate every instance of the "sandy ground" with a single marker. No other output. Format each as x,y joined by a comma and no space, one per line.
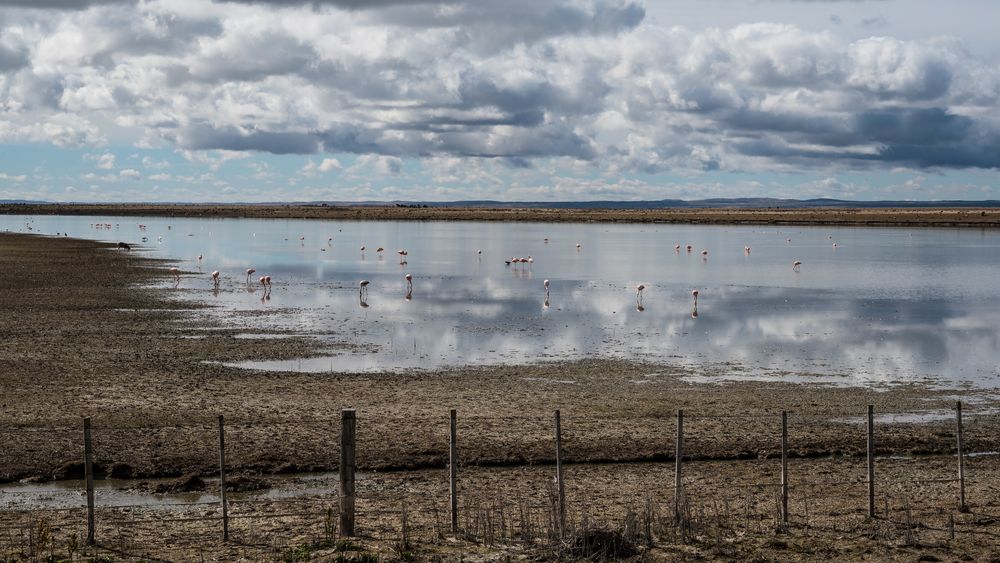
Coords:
84,334
926,217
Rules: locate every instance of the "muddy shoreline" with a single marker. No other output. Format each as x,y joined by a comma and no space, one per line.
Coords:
945,217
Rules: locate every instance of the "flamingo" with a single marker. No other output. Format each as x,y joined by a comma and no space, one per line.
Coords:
546,285
363,285
704,254
379,250
677,248
479,252
409,282
694,294
796,265
362,249
329,241
746,250
638,293
546,239
689,248
250,271
215,279
530,260
200,257
578,246
176,273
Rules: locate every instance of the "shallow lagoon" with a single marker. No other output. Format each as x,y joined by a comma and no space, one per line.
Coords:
883,305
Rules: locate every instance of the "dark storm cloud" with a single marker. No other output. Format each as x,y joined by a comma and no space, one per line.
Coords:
60,4
206,137
11,59
921,138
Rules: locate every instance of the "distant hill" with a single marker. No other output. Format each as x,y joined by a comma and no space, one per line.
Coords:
712,203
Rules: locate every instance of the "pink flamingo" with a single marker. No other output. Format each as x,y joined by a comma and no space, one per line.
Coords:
409,282
689,248
545,284
704,254
379,250
694,294
363,287
176,273
796,265
578,246
638,294
250,271
746,250
215,279
677,248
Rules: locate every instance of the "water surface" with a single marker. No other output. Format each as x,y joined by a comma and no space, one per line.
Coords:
867,305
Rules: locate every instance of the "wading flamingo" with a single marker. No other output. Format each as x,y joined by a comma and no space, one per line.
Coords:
409,283
250,272
677,248
796,265
578,246
176,273
215,279
363,287
545,284
638,294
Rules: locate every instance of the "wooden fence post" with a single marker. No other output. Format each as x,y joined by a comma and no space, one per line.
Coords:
678,456
222,478
871,461
962,507
561,490
88,472
453,471
348,428
784,468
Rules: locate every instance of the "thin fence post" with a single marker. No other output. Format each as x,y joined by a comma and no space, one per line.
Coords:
678,456
962,507
453,471
871,461
222,478
88,472
561,489
348,427
784,468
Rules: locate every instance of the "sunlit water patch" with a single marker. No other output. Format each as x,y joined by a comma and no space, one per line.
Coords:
873,305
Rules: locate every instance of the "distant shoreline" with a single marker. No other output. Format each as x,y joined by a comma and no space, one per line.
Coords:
960,217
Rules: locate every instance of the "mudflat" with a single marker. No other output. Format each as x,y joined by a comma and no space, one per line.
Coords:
93,331
986,217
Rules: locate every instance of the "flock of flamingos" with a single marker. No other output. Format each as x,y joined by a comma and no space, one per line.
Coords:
265,281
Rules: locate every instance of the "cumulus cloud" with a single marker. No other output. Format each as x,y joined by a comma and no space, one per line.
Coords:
130,174
106,161
476,89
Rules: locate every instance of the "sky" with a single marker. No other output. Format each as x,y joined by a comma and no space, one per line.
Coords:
521,100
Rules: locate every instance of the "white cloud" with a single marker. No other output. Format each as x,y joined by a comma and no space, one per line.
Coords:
130,174
329,164
106,161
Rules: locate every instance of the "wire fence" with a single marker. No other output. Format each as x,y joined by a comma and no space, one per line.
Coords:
556,483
